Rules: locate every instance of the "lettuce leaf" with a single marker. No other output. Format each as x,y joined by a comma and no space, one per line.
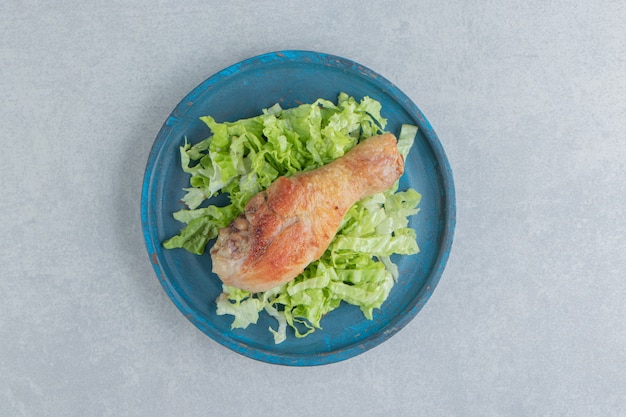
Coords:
244,157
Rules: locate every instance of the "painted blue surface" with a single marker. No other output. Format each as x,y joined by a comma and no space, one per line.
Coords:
291,78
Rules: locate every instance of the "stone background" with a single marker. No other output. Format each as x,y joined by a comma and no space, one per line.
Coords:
529,101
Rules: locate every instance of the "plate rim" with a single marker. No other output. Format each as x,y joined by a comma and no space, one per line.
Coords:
448,214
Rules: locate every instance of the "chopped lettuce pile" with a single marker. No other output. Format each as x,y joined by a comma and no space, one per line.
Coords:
244,157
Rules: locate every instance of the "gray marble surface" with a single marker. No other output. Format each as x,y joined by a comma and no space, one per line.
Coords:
529,101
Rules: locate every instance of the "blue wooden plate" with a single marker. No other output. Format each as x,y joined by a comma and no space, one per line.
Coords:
242,90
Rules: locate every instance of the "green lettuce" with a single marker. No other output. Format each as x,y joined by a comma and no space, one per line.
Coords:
244,157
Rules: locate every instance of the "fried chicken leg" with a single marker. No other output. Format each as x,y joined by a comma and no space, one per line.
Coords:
286,227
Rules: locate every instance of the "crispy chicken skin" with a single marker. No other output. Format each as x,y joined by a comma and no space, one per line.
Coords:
286,227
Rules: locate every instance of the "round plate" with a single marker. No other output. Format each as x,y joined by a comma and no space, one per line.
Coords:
243,90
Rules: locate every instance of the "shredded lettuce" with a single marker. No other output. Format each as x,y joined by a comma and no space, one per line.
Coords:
244,157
